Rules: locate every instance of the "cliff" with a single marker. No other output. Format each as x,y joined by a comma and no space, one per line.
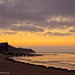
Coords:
5,48
12,49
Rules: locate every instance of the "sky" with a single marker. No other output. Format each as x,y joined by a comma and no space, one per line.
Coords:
37,22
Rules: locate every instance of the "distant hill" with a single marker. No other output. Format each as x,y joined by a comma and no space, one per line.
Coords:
12,49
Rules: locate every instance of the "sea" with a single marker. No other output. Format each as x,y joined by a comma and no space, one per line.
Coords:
58,60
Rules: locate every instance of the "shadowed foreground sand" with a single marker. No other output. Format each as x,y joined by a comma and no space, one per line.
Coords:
14,68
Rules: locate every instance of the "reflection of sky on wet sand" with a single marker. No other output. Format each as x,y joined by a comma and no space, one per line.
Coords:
59,60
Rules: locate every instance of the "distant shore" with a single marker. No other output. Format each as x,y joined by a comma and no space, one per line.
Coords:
12,67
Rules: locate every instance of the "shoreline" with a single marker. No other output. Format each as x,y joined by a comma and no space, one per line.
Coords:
12,67
51,67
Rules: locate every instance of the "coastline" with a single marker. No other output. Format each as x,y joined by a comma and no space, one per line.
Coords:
51,67
19,68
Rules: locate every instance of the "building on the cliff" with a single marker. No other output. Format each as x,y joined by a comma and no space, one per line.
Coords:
4,48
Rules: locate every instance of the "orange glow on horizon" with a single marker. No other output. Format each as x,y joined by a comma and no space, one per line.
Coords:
37,40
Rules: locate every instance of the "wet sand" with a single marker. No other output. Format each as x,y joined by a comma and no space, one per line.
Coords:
8,67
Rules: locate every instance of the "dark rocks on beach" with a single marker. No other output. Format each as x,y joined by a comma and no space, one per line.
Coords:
51,67
61,69
42,66
72,70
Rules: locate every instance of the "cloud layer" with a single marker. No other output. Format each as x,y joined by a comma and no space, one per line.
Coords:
37,15
56,33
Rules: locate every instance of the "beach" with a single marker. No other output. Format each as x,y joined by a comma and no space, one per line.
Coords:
8,67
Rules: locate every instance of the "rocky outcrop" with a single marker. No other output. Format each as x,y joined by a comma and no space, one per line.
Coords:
5,48
15,50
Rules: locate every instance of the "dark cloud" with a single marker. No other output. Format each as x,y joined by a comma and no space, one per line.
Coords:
56,33
27,28
9,32
36,12
72,30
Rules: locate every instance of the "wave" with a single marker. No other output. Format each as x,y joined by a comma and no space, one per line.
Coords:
66,61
